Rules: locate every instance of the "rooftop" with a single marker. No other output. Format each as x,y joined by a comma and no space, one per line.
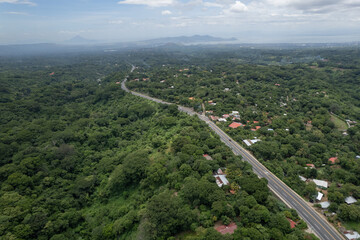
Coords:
223,229
350,200
235,125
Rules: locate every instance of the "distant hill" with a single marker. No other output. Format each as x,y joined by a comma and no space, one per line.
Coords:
78,40
188,39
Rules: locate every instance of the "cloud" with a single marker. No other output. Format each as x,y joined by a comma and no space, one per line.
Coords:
166,12
27,2
213,4
150,3
237,7
116,22
17,13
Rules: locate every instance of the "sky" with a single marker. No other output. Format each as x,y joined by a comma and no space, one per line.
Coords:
250,21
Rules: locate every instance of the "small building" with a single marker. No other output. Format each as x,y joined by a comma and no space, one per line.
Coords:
352,236
350,200
222,120
270,129
226,89
256,121
234,113
235,125
292,223
226,115
319,196
251,142
302,178
214,118
325,205
321,183
310,165
357,157
221,180
333,160
118,83
207,157
191,98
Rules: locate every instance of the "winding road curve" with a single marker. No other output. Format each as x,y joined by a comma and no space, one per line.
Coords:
318,224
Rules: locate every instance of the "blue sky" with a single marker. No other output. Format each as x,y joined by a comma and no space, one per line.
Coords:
32,21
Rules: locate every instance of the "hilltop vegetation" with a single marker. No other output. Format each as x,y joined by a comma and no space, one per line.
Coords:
79,158
299,100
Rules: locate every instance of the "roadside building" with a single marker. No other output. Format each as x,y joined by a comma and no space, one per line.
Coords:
319,196
222,120
325,205
352,235
249,142
321,183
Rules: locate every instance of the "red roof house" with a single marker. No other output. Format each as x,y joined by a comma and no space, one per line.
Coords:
52,74
256,121
333,160
310,165
292,223
226,115
223,229
235,125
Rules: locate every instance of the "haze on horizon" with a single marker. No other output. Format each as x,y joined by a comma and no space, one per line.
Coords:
253,21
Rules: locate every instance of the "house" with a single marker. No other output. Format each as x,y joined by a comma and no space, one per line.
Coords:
214,118
302,178
256,121
270,129
220,172
333,160
191,98
234,113
226,115
52,74
223,229
325,205
221,180
210,111
292,223
350,200
235,125
251,142
222,120
310,165
207,157
118,82
357,157
352,236
319,196
276,84
162,81
321,183
226,89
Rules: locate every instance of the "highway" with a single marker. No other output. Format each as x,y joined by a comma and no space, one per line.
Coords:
318,224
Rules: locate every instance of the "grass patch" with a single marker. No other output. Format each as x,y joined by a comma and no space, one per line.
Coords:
352,226
339,124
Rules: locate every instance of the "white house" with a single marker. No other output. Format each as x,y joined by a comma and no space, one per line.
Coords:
352,236
302,178
350,200
222,120
221,180
251,142
325,205
319,196
321,183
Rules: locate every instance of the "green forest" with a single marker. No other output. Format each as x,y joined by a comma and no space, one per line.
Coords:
82,159
303,104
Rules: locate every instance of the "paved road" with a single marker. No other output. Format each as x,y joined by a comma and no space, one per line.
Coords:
323,229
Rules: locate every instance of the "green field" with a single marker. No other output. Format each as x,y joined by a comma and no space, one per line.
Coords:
352,226
340,124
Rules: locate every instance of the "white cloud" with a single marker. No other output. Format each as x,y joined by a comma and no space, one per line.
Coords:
116,22
17,13
237,7
213,4
166,12
150,3
27,2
